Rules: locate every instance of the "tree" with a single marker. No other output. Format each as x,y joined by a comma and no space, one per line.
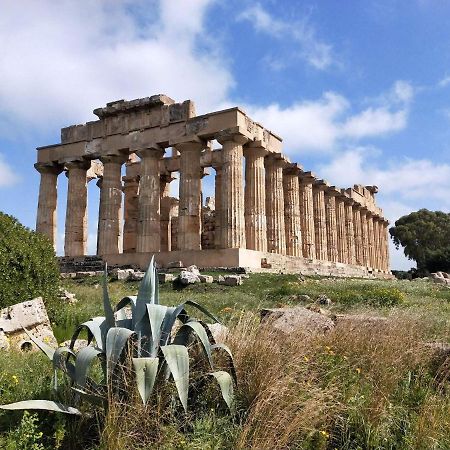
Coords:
425,236
28,267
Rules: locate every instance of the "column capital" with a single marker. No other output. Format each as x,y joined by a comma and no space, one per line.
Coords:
231,135
347,200
306,178
113,159
292,169
77,164
332,191
52,168
154,151
320,185
254,151
189,146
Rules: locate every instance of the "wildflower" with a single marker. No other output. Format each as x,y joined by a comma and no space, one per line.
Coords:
327,348
345,358
324,434
227,309
358,370
331,353
15,379
306,358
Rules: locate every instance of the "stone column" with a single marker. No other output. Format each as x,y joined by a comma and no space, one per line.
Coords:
148,230
110,209
292,218
350,231
46,212
371,240
307,214
320,224
365,237
384,237
276,234
218,206
332,235
75,242
376,243
232,198
189,212
341,230
357,228
131,212
166,206
255,202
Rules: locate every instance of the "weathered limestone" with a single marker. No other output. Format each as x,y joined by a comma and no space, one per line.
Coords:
365,237
149,228
341,230
109,221
232,200
218,240
189,213
320,225
292,217
276,235
75,243
255,203
371,241
357,228
307,218
131,212
46,214
332,234
350,231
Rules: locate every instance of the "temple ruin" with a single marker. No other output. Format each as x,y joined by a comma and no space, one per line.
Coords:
267,213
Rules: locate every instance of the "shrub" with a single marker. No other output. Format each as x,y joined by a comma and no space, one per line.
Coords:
28,267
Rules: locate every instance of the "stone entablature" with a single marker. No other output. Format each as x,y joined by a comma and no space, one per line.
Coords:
263,202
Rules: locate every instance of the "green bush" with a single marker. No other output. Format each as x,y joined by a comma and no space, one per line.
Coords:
28,267
373,296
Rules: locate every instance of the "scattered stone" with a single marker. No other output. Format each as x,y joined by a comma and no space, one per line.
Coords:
316,308
440,278
219,331
67,296
205,278
193,269
136,275
4,341
81,275
245,276
445,275
166,277
265,264
124,274
175,265
187,277
323,300
220,279
68,275
78,345
297,319
31,315
231,280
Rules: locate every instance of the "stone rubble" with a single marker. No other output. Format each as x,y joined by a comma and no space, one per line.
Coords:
66,296
440,278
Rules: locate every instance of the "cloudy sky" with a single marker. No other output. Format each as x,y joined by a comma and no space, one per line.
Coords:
360,91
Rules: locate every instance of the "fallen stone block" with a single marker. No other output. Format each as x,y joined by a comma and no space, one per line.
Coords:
205,278
124,274
136,276
67,296
31,315
166,277
445,275
81,275
186,278
4,341
193,269
232,280
174,265
68,275
219,331
322,299
297,319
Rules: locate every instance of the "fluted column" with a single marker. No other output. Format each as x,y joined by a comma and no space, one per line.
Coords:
75,241
371,240
255,202
110,209
276,234
365,238
233,219
218,206
341,230
307,214
330,211
376,244
320,224
292,220
350,230
166,205
385,241
131,212
189,212
149,228
48,195
357,228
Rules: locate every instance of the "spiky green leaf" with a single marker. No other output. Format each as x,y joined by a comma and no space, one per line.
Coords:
109,314
84,359
45,348
177,359
41,404
96,328
156,315
223,348
146,370
226,386
116,340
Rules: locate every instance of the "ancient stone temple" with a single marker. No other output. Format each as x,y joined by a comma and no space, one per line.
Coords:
267,213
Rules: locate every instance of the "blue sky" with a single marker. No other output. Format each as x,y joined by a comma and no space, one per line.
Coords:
358,90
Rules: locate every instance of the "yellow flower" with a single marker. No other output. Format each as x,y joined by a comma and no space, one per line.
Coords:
324,434
227,309
345,357
327,347
15,379
331,353
306,358
358,370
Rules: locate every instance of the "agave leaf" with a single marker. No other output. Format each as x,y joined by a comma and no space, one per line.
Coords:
226,386
84,359
177,360
182,337
130,300
124,323
169,320
202,309
225,349
41,404
45,348
116,340
146,371
146,294
97,329
62,364
109,314
156,315
90,397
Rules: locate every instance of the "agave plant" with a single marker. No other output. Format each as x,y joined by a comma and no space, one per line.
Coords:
153,344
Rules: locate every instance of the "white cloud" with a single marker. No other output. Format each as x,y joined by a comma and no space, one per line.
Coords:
59,60
444,82
314,51
8,177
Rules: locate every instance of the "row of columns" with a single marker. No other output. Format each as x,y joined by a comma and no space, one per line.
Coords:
278,209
